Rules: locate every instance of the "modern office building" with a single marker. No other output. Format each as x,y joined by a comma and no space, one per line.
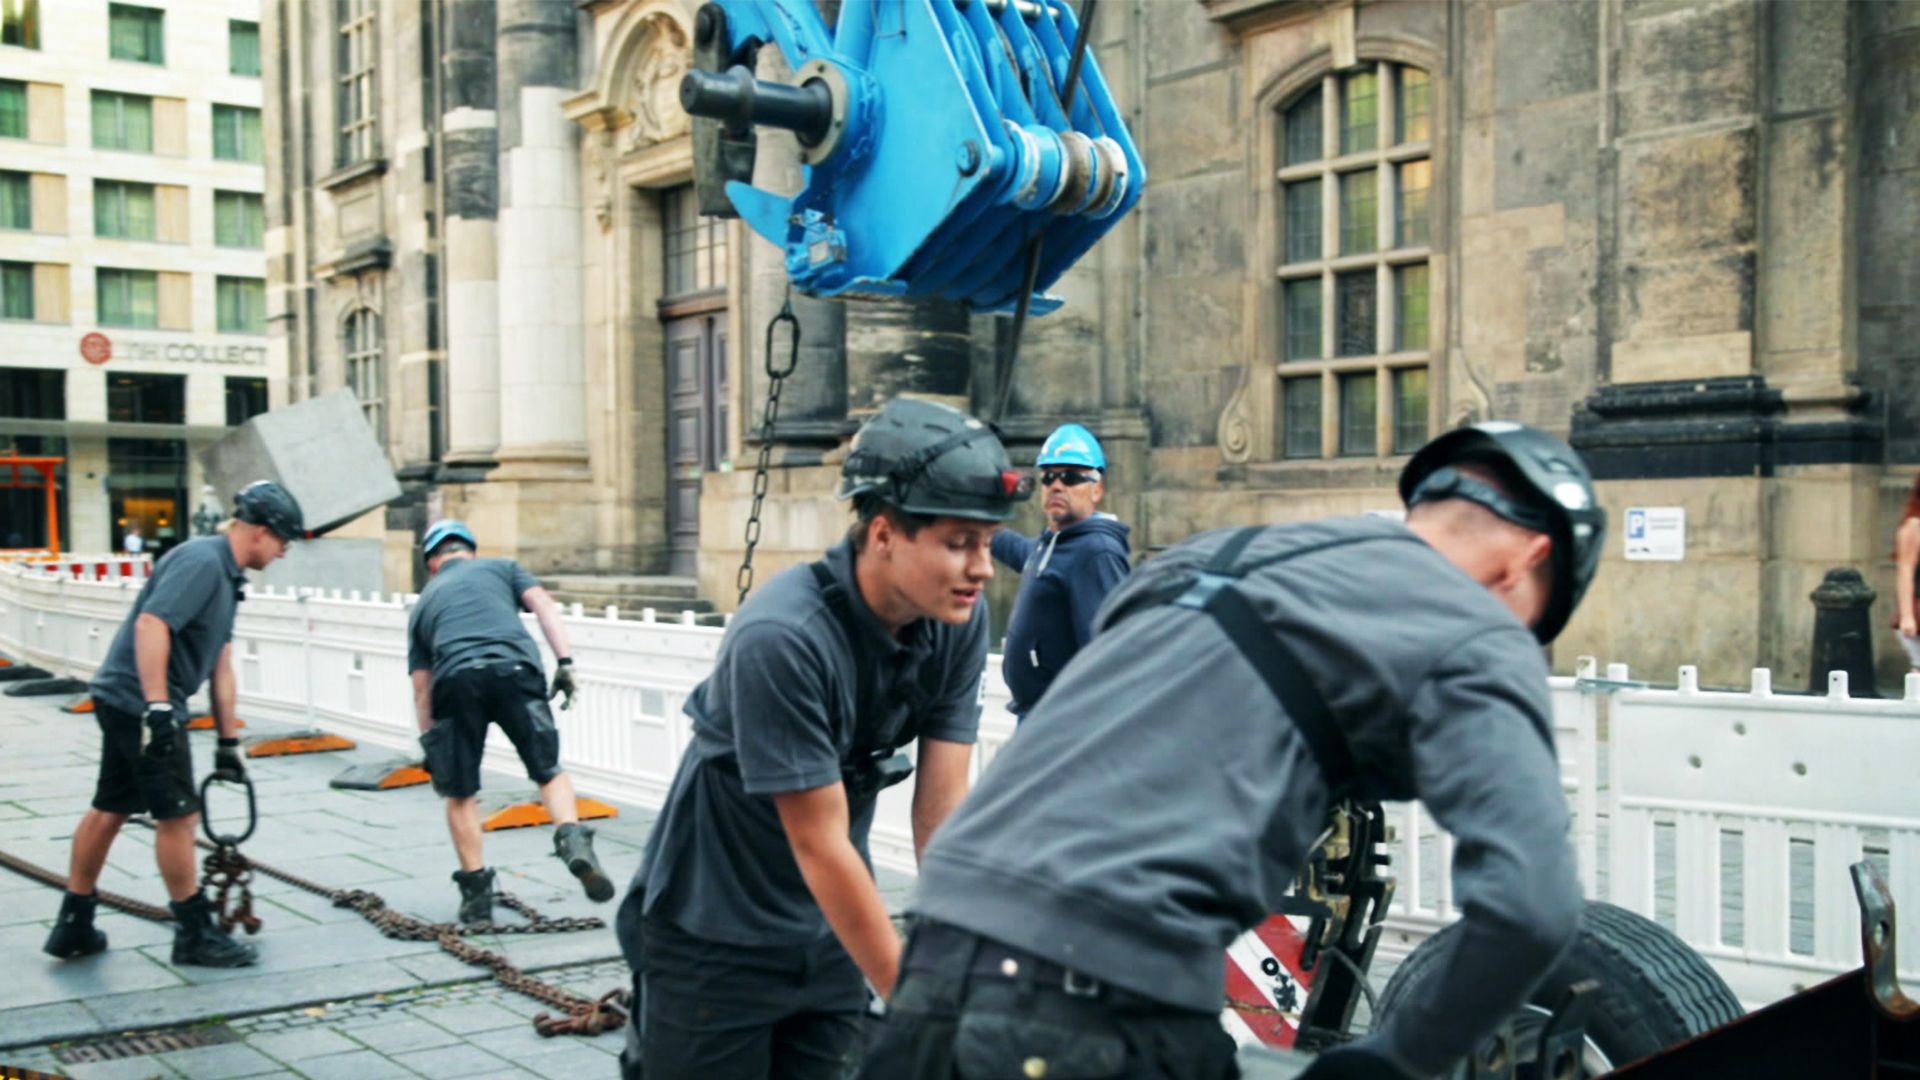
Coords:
132,256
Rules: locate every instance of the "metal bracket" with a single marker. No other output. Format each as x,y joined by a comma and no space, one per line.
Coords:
1877,944
1564,1038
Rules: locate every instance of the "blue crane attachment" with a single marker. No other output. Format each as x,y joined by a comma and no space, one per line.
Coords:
940,140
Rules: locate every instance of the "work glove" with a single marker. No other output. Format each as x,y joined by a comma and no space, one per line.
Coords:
227,764
161,727
1353,1062
563,683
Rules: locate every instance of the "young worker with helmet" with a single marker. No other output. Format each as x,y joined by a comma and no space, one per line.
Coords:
755,914
1074,914
474,665
177,637
1066,571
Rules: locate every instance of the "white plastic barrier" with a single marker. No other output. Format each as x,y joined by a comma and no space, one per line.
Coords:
1729,816
1753,806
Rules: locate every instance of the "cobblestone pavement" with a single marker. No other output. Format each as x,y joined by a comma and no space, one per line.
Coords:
330,996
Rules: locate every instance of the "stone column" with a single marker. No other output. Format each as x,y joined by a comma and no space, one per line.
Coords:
922,347
470,167
542,346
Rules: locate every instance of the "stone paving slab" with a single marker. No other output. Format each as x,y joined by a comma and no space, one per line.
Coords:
393,842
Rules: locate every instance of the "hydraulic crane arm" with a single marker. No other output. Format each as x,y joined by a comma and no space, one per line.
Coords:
935,139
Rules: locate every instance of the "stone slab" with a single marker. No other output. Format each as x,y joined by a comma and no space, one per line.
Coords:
321,450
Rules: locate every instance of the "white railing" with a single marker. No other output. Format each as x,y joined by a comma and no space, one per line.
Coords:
1730,817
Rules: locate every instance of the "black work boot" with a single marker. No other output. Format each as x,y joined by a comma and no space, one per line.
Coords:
199,942
573,843
74,934
476,895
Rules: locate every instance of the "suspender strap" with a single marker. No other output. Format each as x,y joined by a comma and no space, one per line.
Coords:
1213,593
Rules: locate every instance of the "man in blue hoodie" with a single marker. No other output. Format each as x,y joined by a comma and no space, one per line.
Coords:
1066,571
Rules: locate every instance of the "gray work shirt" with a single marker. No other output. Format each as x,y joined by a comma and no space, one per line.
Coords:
778,715
194,590
1158,801
470,611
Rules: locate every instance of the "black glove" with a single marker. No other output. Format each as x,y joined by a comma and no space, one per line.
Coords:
1352,1062
162,729
563,682
227,764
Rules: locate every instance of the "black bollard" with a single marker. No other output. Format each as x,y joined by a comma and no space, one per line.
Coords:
1842,633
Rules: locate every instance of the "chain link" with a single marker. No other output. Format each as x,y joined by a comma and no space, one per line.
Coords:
776,378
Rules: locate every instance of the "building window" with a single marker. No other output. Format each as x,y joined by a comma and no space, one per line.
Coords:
243,47
20,23
1355,215
246,399
239,219
16,200
147,399
123,210
136,33
16,290
696,245
13,109
122,122
360,344
242,305
236,134
128,297
356,53
33,393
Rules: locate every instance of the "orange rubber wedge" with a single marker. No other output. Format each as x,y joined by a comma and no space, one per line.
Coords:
521,815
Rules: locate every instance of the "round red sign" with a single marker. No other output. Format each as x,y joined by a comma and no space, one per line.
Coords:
96,348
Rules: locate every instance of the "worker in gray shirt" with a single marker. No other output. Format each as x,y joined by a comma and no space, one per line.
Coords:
178,636
1171,785
755,914
474,665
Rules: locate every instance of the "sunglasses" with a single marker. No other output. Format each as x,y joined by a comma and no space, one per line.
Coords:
1071,479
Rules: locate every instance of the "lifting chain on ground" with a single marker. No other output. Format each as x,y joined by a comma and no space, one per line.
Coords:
776,378
227,869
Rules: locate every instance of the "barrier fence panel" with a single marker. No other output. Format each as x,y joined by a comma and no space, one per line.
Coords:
1735,817
1730,817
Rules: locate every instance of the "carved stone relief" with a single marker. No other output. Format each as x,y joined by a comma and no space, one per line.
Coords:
653,92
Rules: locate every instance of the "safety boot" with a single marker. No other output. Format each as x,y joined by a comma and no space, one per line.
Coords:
573,843
476,895
74,934
197,941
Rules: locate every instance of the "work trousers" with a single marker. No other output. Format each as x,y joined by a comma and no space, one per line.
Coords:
967,1008
706,1010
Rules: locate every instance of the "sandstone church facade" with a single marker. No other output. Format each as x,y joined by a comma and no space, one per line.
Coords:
1679,232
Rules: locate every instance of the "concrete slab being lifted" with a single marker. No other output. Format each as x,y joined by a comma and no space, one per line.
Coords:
321,450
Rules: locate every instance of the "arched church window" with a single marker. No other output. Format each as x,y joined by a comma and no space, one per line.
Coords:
1356,170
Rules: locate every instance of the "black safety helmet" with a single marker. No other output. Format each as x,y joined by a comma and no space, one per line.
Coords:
1551,491
927,458
264,502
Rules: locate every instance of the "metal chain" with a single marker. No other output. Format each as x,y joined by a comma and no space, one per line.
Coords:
776,378
228,870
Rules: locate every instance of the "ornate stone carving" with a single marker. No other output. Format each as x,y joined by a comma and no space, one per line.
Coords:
599,147
1235,432
653,91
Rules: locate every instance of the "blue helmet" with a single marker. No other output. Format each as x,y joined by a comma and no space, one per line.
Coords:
1071,444
442,531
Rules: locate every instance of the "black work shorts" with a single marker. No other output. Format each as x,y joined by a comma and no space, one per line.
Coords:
510,693
132,782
